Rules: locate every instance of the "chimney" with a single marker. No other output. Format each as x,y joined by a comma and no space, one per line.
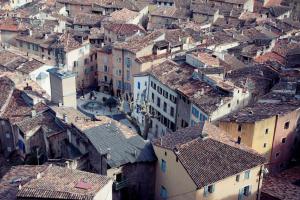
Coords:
65,117
33,113
195,74
135,153
202,91
68,164
203,135
239,140
176,151
108,154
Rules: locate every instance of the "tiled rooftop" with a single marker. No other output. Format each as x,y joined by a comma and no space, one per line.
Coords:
270,56
123,16
18,110
85,19
6,88
285,185
18,175
258,79
212,158
208,59
45,121
122,145
63,183
171,12
264,110
124,29
179,77
137,43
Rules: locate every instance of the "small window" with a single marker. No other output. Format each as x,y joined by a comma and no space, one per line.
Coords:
208,189
7,135
128,62
176,158
9,149
246,191
247,174
172,112
158,102
165,107
163,166
105,68
237,178
163,192
166,94
265,145
239,140
239,128
211,188
277,154
283,140
119,177
139,85
237,101
228,105
165,153
159,90
286,125
266,131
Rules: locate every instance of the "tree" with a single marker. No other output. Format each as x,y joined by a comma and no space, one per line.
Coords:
111,102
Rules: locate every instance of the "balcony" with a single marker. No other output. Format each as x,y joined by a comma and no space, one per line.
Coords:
120,184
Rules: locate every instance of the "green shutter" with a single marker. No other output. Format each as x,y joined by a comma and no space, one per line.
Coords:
213,189
241,194
205,191
250,188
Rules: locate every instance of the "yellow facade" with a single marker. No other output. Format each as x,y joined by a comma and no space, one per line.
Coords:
257,135
175,179
180,186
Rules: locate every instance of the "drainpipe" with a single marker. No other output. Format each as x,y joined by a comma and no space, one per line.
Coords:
123,73
274,135
259,180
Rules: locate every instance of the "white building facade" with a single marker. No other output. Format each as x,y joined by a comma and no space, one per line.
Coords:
150,95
